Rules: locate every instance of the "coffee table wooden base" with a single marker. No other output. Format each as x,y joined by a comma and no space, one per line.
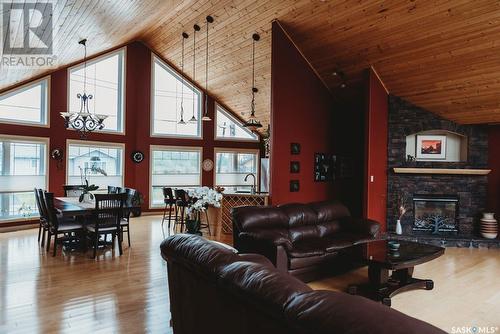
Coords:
383,287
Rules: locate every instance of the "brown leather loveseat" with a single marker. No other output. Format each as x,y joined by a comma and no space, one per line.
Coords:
214,290
303,239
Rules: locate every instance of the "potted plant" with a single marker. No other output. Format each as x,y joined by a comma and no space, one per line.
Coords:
86,187
202,198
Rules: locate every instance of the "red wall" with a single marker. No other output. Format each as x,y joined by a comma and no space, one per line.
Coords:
137,121
301,112
494,165
376,151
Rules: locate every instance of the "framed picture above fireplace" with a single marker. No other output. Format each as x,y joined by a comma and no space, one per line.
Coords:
431,147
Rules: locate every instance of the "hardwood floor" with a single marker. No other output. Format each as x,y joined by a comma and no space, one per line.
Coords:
129,294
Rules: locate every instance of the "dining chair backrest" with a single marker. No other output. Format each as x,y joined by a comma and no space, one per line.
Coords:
43,206
109,209
131,195
38,203
52,218
73,190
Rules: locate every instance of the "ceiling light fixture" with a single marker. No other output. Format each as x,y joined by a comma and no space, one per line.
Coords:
196,28
184,37
253,123
205,113
84,121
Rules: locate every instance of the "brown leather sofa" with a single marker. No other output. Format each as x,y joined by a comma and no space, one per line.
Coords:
214,290
302,239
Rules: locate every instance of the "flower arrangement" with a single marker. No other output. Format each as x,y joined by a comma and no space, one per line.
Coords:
202,198
402,205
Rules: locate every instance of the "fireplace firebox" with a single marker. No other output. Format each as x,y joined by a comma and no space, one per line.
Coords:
435,214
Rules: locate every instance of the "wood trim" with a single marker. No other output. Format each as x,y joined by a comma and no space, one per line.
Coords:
448,171
379,79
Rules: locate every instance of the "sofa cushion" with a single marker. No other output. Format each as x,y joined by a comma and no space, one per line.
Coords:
305,232
307,247
329,228
303,262
299,214
328,211
257,218
263,285
326,312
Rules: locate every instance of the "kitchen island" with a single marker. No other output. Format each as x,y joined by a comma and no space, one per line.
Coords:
232,200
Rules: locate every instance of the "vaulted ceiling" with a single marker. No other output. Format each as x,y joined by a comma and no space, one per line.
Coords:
441,55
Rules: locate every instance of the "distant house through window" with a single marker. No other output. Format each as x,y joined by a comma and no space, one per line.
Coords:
231,167
102,163
105,81
26,105
166,107
230,128
23,167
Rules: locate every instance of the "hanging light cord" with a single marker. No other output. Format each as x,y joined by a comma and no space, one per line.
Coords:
194,69
253,78
85,68
182,76
206,75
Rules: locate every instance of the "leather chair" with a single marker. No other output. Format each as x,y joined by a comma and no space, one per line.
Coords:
248,295
303,239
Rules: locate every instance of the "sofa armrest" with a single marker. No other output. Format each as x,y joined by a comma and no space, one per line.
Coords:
364,227
270,245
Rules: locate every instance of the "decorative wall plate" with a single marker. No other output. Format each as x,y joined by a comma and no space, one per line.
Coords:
207,165
137,156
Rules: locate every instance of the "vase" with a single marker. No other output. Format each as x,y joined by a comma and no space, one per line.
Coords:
193,226
489,226
399,229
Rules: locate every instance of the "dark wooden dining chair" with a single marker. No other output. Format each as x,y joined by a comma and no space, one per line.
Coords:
127,211
73,190
112,190
57,224
169,200
106,219
43,223
181,204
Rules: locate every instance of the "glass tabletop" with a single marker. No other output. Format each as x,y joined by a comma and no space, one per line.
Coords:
408,254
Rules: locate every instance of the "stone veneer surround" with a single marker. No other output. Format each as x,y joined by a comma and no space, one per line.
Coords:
406,119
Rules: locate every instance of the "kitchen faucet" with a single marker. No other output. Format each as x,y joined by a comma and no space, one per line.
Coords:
254,186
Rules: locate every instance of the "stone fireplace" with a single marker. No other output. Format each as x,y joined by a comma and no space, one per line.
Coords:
435,214
461,208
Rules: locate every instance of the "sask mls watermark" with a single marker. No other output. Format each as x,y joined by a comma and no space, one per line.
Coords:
27,33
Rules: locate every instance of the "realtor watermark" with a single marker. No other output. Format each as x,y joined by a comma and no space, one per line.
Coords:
27,35
474,330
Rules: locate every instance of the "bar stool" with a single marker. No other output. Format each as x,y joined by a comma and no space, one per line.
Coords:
181,203
169,200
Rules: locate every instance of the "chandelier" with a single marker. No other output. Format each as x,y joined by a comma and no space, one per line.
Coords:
84,121
253,123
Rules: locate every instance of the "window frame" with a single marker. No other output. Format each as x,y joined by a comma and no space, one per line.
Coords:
123,51
27,86
235,120
152,148
180,77
237,150
30,139
96,144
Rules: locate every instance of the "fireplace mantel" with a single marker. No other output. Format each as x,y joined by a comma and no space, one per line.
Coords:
449,171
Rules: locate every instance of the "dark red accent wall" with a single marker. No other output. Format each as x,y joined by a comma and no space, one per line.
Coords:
301,112
137,122
376,151
494,165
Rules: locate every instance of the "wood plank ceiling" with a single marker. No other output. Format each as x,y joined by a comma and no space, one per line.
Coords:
441,55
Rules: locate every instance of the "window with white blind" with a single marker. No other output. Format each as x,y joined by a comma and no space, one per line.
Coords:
23,167
175,167
230,128
99,163
231,167
26,105
105,82
168,89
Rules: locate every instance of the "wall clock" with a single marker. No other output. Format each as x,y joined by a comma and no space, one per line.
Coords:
207,165
137,156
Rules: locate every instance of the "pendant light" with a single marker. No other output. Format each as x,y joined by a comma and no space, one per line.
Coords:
205,113
196,28
253,123
84,121
184,37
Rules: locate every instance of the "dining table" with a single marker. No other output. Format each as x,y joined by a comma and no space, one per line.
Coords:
72,207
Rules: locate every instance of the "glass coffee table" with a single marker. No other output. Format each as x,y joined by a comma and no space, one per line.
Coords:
382,258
